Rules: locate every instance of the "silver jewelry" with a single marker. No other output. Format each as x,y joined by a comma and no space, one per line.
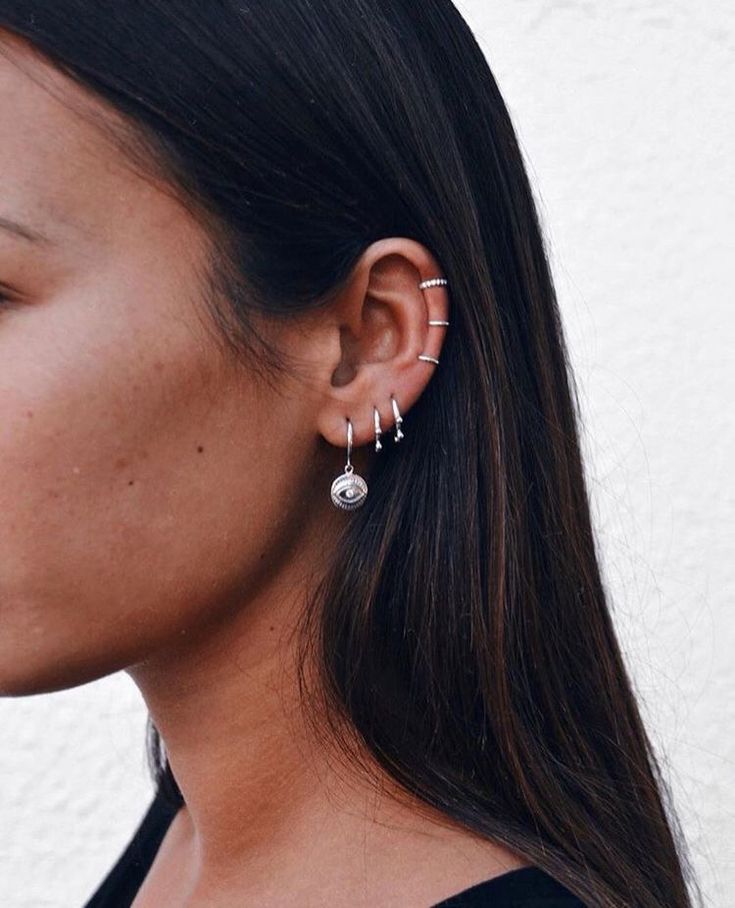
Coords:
349,490
433,282
399,420
378,430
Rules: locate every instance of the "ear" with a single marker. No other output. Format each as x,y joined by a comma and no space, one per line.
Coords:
382,319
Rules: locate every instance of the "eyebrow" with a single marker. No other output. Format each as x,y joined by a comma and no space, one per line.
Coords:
27,233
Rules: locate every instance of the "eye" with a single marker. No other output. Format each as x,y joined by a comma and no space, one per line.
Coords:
7,296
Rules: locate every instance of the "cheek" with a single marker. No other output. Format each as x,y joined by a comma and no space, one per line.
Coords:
138,495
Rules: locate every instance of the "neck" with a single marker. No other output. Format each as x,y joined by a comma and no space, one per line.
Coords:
266,804
224,700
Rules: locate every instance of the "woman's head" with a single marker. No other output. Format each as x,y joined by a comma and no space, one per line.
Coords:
152,475
251,196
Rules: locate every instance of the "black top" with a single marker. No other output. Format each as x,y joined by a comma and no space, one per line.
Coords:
526,887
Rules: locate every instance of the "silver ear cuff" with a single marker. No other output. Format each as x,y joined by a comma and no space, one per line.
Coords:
424,285
349,490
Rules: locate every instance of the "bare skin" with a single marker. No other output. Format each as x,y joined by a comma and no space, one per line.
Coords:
165,513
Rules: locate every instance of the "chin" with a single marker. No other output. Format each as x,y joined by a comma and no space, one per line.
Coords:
24,674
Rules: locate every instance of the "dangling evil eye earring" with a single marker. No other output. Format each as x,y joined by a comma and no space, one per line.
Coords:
349,490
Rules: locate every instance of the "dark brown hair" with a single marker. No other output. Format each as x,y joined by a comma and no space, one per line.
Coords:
463,637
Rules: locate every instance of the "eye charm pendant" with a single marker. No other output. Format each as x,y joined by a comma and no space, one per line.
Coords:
349,490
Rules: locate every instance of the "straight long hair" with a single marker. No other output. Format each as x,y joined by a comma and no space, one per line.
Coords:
463,636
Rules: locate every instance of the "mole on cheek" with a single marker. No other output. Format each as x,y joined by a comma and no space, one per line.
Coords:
200,449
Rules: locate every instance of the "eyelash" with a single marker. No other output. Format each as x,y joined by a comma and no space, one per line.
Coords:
6,295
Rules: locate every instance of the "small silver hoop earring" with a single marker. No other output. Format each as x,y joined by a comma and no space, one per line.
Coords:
349,490
378,430
399,420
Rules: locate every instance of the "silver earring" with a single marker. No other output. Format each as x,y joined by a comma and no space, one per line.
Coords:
399,420
378,430
433,282
349,490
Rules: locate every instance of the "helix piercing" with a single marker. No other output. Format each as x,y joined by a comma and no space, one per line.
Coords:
433,282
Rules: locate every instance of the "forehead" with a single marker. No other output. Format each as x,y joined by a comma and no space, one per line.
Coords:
60,170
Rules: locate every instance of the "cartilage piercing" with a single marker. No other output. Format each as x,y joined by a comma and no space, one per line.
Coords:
433,282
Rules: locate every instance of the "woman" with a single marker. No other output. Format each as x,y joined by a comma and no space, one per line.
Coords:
289,435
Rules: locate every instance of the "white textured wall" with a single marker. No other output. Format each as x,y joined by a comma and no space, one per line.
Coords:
625,113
